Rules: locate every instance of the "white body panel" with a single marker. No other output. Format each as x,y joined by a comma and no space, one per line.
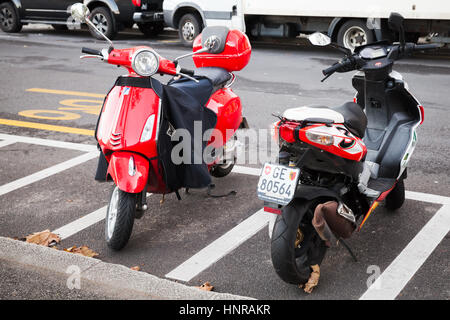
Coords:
302,113
409,9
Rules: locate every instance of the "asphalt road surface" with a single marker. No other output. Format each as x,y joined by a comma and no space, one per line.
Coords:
48,93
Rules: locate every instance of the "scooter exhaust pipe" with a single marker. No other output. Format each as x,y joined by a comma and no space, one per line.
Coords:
332,220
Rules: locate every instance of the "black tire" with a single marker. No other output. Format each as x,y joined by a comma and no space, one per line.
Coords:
151,30
189,28
102,18
396,197
60,27
222,170
354,33
9,18
292,269
118,233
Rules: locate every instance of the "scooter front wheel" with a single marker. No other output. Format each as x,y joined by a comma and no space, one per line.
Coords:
295,245
119,218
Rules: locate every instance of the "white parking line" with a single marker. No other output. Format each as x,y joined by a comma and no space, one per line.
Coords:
5,143
22,182
81,224
220,247
391,282
49,143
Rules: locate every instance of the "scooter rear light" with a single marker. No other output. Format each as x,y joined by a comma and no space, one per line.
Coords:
320,138
136,3
272,210
422,113
287,133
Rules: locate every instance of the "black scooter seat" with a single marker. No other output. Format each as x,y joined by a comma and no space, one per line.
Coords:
354,118
209,81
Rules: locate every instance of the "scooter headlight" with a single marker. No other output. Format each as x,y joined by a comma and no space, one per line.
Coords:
145,62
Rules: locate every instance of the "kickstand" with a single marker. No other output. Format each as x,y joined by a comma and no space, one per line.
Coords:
212,186
346,246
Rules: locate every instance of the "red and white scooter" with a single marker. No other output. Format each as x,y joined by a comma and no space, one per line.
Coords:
138,117
337,164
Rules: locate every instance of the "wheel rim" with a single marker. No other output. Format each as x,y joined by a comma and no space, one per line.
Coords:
100,22
188,31
112,212
354,37
6,17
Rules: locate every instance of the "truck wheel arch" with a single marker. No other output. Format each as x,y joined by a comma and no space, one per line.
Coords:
184,8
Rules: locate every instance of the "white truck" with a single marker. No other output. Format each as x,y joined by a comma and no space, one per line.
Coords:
344,21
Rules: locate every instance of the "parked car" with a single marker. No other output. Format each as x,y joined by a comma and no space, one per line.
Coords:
109,16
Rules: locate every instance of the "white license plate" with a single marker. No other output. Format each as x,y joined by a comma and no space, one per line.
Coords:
277,183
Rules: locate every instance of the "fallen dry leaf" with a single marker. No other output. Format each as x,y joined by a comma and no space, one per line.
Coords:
313,280
206,286
136,268
84,250
43,238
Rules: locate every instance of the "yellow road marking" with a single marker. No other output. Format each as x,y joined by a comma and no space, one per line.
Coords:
44,114
49,127
67,93
168,41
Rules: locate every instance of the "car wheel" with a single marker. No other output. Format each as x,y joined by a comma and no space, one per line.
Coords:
104,21
151,29
189,28
9,18
354,33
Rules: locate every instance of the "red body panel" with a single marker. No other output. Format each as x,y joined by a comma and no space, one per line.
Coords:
345,145
227,105
118,170
234,57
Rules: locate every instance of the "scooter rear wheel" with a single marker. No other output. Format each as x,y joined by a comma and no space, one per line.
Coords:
396,197
119,218
295,245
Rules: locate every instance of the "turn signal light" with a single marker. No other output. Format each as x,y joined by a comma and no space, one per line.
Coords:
136,3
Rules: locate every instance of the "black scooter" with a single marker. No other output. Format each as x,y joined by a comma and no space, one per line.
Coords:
337,164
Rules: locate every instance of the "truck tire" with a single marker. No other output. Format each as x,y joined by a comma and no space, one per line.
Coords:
189,28
151,30
354,33
102,18
9,18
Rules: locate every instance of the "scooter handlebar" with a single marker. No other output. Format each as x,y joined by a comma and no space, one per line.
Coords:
187,71
343,65
430,46
91,51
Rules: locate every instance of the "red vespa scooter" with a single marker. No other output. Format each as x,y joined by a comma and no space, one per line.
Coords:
139,113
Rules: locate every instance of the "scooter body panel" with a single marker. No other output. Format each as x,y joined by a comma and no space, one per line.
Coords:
126,113
129,171
227,105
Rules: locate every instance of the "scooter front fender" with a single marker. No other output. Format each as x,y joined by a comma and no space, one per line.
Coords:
129,171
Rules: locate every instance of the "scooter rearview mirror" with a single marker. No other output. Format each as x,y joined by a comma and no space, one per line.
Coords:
319,39
395,21
79,12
